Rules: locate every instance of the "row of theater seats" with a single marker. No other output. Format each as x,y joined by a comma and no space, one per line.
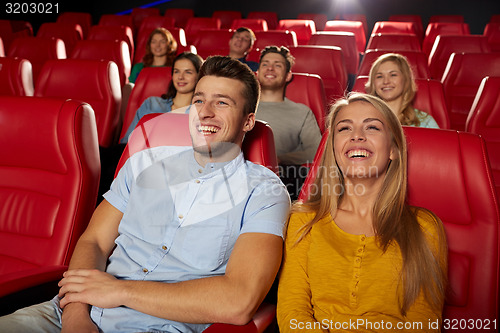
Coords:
49,177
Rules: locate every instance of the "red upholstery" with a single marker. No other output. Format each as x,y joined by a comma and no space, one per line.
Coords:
69,33
84,20
453,179
196,23
495,18
117,20
93,81
112,32
393,27
212,42
138,15
416,19
492,33
16,77
302,28
394,42
356,27
328,63
226,17
9,31
308,89
181,15
356,17
442,28
445,45
253,24
2,49
319,19
484,119
447,18
270,17
275,37
429,98
416,59
37,50
49,175
265,316
142,39
152,81
461,81
115,50
345,40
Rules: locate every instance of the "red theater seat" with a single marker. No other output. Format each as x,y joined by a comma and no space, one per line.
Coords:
112,32
447,18
181,15
69,33
328,63
117,20
429,98
37,50
226,17
484,119
16,77
442,28
319,19
152,81
453,180
194,24
49,175
345,40
492,33
270,17
393,27
461,80
445,45
416,59
356,27
115,50
212,42
139,14
2,49
96,82
394,42
84,20
253,24
416,19
12,29
308,89
275,37
302,28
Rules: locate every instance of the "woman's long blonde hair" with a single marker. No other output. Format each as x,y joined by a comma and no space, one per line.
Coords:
406,115
393,219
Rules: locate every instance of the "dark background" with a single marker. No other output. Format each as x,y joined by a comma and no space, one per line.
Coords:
476,12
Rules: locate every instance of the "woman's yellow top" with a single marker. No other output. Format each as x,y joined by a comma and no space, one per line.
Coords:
333,281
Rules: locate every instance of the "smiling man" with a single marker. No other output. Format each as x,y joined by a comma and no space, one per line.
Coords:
241,44
184,237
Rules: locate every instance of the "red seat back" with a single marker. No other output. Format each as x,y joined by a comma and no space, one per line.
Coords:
484,119
308,89
194,24
111,32
212,42
116,51
270,17
16,77
96,82
10,30
172,129
394,27
253,24
117,20
181,15
453,180
328,63
445,45
492,33
84,20
416,19
394,42
152,81
138,15
226,17
429,98
461,81
303,29
319,19
446,18
37,50
69,33
416,59
49,176
356,27
345,40
275,37
442,28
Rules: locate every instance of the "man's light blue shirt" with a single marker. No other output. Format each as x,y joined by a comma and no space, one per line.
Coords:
181,222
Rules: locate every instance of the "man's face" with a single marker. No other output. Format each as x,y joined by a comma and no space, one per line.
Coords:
218,115
272,73
241,42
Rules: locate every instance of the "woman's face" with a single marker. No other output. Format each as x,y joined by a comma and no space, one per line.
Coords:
389,81
361,141
184,76
159,45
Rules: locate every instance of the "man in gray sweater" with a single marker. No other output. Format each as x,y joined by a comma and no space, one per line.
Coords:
296,131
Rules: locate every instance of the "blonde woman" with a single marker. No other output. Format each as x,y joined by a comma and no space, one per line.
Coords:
391,79
357,257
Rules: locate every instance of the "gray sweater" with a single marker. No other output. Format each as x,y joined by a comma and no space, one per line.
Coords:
296,131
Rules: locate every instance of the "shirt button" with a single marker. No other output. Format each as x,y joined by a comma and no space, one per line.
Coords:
164,247
356,276
360,250
197,181
358,259
363,238
200,170
353,294
181,216
145,270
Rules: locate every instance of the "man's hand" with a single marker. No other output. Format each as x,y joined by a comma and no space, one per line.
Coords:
89,286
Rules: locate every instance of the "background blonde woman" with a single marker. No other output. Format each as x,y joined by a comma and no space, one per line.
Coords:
355,251
391,79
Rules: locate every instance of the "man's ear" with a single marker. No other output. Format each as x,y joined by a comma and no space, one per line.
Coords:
289,76
249,122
